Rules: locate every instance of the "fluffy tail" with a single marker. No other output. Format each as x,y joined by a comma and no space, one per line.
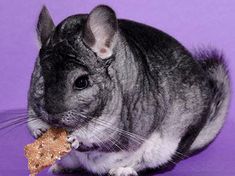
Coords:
214,64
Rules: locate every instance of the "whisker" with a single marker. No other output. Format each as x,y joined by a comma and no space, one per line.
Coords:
16,126
12,112
132,136
12,119
116,142
107,123
12,123
109,149
182,155
84,132
112,139
172,162
136,138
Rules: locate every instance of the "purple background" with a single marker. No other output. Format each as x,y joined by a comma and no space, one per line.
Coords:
194,23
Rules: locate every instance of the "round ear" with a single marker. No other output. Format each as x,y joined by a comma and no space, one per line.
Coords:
99,31
45,25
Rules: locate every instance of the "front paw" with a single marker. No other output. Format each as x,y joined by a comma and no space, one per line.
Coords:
73,140
37,127
123,171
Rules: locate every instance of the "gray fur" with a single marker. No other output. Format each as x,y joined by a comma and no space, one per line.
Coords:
148,98
45,25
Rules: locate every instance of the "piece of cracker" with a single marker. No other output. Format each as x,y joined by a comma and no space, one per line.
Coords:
48,148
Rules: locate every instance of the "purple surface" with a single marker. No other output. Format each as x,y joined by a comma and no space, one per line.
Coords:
194,23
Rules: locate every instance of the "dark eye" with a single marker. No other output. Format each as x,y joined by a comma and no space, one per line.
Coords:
81,82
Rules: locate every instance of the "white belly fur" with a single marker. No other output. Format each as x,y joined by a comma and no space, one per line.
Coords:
154,152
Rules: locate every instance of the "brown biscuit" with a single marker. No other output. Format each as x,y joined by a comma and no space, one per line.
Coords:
48,148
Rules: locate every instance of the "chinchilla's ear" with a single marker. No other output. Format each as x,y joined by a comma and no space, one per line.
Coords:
45,25
99,31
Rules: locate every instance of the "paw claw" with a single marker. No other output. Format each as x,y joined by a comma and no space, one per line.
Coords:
73,141
37,133
37,127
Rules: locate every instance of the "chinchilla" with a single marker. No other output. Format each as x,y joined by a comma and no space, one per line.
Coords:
130,96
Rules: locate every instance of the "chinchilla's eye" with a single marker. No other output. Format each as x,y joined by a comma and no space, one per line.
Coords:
81,82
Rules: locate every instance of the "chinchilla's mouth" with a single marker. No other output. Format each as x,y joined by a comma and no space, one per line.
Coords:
84,148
